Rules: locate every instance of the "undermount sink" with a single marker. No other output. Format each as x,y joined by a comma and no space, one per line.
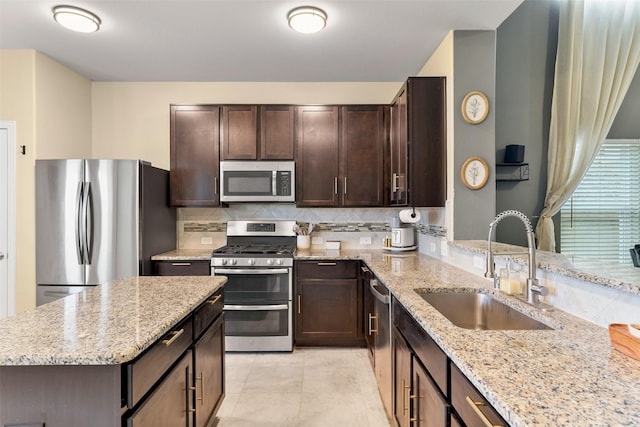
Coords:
480,311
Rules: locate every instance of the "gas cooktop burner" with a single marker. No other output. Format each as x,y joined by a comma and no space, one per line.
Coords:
255,249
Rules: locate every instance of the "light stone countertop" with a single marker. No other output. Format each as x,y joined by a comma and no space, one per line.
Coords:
105,325
184,254
569,376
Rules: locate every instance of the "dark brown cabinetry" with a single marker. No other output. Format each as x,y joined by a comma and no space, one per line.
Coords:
182,268
469,404
251,132
418,144
328,303
239,133
195,155
317,143
340,155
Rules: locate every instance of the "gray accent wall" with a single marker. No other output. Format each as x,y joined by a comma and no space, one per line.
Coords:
474,69
525,65
626,125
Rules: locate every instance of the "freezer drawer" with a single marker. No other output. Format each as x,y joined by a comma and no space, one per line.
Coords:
48,293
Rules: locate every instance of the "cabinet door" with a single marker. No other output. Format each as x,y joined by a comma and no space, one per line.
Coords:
328,312
239,132
182,268
171,402
317,156
472,408
398,150
402,382
362,155
209,372
426,116
429,407
276,132
195,157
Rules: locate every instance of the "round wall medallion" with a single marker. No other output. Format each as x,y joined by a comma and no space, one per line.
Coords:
475,107
474,173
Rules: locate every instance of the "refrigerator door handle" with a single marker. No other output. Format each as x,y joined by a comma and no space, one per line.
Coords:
88,222
79,225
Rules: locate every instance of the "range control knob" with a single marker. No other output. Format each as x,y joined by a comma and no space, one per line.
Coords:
269,261
252,261
234,261
223,261
279,261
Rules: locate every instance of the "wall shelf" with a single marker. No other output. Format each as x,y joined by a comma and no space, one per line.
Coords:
512,172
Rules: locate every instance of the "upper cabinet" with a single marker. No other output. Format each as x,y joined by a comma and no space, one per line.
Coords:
340,155
195,155
251,132
418,144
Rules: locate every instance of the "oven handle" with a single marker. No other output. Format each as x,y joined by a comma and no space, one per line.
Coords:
273,307
250,271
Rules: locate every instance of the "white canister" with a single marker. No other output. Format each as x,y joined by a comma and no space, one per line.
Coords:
304,242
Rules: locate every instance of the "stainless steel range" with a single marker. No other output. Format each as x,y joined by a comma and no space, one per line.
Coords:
258,262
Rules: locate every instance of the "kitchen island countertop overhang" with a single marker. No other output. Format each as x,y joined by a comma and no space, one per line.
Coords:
106,325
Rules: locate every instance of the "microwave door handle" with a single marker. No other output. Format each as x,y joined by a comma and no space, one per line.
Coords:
274,183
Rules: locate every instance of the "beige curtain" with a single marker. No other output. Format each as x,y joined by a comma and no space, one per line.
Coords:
598,55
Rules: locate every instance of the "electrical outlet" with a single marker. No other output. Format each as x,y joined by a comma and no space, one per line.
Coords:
432,247
317,240
206,240
478,261
444,249
365,240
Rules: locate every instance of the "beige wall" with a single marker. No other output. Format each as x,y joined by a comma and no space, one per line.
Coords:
52,110
441,64
131,120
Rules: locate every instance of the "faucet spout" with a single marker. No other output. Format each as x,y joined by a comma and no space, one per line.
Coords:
534,290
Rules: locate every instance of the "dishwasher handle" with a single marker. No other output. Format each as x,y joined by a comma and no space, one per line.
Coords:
385,299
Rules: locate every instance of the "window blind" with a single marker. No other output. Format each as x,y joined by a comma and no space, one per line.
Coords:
602,218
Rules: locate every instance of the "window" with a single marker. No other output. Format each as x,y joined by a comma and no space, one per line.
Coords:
602,218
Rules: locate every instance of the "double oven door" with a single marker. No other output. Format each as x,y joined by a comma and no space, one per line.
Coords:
258,312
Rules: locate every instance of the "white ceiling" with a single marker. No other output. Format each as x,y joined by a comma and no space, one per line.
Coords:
246,40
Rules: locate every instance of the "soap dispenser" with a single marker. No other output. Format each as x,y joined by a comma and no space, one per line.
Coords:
510,281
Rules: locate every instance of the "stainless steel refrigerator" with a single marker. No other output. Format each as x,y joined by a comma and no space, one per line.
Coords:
98,220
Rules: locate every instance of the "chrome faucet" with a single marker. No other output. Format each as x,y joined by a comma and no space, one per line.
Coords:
534,290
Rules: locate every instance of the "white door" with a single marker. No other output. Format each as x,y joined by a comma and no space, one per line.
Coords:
7,219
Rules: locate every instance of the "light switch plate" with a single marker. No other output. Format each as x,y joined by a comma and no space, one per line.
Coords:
206,240
317,240
432,247
478,261
444,249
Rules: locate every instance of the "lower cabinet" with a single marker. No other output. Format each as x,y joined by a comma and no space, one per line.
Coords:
429,389
182,268
208,357
328,305
170,404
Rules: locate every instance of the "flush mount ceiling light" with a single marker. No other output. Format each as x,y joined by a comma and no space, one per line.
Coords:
76,19
307,19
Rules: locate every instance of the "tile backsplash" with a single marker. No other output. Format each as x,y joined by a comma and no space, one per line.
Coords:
200,228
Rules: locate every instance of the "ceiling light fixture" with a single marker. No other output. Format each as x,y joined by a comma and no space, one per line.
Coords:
76,19
307,19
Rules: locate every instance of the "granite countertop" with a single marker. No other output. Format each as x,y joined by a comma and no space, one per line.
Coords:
570,375
109,324
184,254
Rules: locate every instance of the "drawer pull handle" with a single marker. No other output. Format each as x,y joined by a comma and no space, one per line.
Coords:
365,270
181,264
476,407
174,336
299,304
327,263
214,300
371,330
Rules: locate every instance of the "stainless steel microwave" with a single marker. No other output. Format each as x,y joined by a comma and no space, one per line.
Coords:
257,181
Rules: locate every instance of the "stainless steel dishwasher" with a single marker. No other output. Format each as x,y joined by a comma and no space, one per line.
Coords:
379,328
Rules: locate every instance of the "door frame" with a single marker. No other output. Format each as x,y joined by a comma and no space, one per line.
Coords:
11,214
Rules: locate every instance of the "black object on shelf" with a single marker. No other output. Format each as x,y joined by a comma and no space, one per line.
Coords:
635,255
514,154
512,172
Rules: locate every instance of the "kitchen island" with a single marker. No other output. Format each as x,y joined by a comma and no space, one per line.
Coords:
97,357
569,375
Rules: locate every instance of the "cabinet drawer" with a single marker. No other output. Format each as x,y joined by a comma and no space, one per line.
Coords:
470,405
182,268
144,372
429,353
207,313
327,269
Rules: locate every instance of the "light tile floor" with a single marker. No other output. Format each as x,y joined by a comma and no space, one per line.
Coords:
308,387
